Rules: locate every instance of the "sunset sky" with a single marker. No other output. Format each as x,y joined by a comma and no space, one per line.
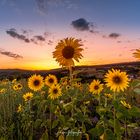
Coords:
30,30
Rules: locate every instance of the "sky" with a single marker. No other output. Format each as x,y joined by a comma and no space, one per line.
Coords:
31,29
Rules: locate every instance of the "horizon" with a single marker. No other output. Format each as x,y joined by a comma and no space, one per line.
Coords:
119,63
30,30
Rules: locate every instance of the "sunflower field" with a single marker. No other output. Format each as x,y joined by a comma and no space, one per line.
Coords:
45,108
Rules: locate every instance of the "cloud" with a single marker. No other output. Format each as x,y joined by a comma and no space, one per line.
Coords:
40,38
114,35
28,37
13,33
82,24
11,54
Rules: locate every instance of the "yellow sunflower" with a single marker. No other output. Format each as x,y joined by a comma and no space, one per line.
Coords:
19,109
109,96
15,87
3,90
116,80
67,50
128,106
137,54
54,91
35,82
50,80
19,86
95,87
28,96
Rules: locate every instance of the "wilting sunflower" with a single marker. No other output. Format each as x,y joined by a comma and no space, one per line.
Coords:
50,80
35,82
95,87
28,96
116,80
128,106
54,91
67,51
137,54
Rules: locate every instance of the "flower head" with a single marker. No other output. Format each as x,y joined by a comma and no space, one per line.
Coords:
50,80
19,109
35,82
28,96
68,50
95,87
54,91
137,54
116,80
128,106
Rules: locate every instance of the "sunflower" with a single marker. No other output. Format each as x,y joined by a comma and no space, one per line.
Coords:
67,50
95,87
137,54
109,96
50,80
28,96
14,80
19,109
54,91
3,90
15,87
128,106
19,86
35,82
116,80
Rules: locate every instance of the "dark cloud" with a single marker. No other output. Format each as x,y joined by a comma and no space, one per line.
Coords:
50,42
24,36
11,54
114,35
40,38
13,33
82,24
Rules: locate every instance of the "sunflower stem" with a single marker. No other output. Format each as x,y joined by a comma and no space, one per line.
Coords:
50,118
99,98
125,121
71,77
114,97
105,101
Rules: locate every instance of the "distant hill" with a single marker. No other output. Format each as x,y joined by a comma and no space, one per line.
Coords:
87,71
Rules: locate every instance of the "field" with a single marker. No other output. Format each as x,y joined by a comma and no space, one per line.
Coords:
50,105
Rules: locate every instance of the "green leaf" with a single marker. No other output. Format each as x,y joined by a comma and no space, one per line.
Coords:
61,137
137,90
134,112
55,123
109,135
45,136
37,123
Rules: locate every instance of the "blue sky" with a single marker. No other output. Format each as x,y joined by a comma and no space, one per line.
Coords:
102,17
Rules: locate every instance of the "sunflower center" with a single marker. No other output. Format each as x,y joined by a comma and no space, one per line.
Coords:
117,80
28,97
51,80
55,91
19,86
96,87
36,82
68,52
